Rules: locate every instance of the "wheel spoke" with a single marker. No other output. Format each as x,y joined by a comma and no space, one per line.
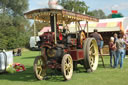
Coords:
39,71
93,57
69,60
91,46
91,64
91,60
93,54
66,67
90,53
66,62
43,72
67,73
39,67
69,65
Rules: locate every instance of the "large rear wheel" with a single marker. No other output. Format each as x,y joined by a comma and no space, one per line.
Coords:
39,67
90,55
67,66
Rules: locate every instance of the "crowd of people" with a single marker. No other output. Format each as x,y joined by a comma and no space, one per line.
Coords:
117,47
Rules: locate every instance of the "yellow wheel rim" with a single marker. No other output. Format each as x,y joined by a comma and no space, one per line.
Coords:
39,68
93,54
67,66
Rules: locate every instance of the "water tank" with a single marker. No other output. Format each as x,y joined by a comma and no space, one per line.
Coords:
6,58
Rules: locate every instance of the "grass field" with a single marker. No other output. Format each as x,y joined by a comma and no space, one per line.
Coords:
102,76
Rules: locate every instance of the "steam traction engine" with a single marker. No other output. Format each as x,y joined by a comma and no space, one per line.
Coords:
63,50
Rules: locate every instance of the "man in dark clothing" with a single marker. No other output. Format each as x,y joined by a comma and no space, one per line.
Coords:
98,37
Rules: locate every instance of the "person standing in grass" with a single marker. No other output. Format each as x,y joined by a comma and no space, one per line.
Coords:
112,51
19,52
124,38
120,50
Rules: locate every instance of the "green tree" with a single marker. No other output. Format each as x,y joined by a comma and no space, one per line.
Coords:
13,32
98,14
76,6
81,7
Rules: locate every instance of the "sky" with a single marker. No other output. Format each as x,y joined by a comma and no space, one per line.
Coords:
105,5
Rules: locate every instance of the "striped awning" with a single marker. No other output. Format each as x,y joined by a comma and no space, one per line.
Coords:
101,27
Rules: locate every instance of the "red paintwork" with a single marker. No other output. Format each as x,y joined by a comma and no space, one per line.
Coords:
53,64
80,54
73,53
73,41
49,36
77,54
65,50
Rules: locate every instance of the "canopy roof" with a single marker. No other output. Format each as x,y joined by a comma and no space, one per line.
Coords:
62,15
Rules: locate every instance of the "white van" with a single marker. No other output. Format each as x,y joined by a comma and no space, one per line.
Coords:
33,42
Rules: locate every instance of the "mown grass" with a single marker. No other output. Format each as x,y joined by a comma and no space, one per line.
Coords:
102,76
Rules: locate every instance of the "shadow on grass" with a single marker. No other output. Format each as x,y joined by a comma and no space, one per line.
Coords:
32,57
53,77
80,70
27,76
106,66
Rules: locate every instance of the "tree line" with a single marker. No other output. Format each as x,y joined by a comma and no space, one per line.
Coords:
14,30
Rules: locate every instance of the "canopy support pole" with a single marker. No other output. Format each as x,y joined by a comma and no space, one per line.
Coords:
34,28
87,28
76,25
55,28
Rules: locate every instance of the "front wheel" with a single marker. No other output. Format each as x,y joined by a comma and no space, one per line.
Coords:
39,67
67,66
